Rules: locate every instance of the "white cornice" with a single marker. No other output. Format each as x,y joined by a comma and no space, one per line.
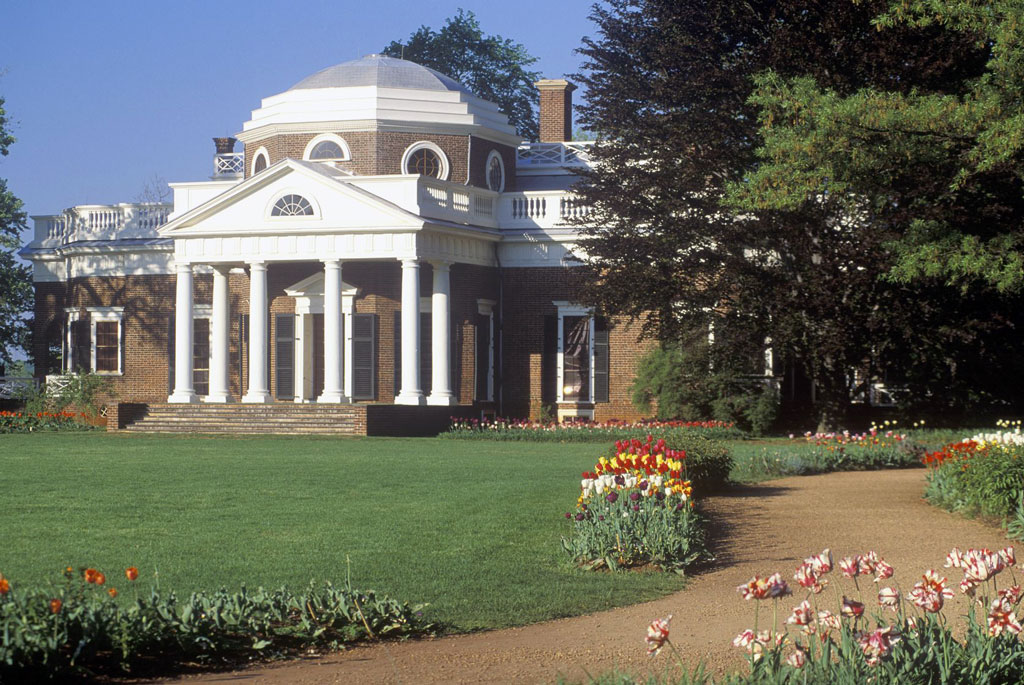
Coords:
373,125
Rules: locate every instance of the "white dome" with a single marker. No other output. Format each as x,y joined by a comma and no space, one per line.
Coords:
382,72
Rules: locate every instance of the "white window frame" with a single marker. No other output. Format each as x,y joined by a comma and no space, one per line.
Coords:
570,309
419,145
72,316
203,311
266,156
106,314
346,153
494,154
486,308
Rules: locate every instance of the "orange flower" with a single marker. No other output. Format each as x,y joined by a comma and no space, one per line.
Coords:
90,575
55,605
112,592
5,587
100,578
131,573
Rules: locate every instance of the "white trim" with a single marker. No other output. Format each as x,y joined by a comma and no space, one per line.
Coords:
428,145
565,309
106,314
67,350
346,153
266,156
494,154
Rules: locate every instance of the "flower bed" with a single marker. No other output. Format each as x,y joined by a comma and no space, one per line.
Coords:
586,431
905,638
983,474
25,422
635,510
81,627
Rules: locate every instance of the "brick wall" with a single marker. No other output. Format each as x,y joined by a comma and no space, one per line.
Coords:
480,149
375,152
529,294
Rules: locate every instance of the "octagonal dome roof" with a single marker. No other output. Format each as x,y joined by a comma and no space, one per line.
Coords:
380,71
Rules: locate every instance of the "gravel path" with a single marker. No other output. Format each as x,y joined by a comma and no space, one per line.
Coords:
758,530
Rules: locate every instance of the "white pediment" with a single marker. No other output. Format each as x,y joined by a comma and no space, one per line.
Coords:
337,207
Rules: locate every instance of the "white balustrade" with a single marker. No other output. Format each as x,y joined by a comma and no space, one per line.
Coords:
101,222
567,154
56,384
228,165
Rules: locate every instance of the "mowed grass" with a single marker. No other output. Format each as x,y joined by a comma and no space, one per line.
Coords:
471,527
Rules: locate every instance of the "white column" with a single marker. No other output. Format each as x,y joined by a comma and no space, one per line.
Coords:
184,391
220,325
333,391
440,336
259,389
411,392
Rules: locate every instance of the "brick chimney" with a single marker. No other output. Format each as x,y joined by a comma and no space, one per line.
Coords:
224,145
555,110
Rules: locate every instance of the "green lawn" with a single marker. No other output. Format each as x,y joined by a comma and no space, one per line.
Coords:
471,527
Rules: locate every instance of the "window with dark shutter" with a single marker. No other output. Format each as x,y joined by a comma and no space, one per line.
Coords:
170,354
549,361
201,356
483,361
364,356
82,345
107,346
243,352
601,360
284,356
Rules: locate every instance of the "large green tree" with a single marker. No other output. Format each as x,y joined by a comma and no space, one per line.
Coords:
669,85
940,166
492,67
15,278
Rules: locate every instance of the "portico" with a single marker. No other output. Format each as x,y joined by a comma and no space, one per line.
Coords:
337,225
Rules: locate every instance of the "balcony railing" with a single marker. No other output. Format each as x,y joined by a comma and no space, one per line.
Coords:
101,222
228,165
468,205
554,155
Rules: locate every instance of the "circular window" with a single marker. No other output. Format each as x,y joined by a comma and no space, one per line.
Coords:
495,172
292,205
327,149
425,158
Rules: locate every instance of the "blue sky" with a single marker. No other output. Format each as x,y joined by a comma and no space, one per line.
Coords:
105,95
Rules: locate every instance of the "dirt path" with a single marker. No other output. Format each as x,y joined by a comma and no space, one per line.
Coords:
759,529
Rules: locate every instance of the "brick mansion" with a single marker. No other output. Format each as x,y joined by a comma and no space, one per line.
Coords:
383,238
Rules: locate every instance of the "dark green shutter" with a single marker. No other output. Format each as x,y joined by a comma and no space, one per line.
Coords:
364,352
397,355
482,357
426,358
284,356
601,359
170,354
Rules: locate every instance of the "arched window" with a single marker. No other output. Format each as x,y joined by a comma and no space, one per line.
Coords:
292,205
495,172
326,149
260,164
427,159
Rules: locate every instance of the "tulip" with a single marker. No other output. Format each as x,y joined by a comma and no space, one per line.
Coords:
657,635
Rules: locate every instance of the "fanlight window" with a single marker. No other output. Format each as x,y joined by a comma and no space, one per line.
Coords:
292,205
424,161
327,149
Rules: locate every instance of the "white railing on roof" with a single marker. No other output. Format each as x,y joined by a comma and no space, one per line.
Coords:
14,388
101,222
228,165
456,203
541,209
554,155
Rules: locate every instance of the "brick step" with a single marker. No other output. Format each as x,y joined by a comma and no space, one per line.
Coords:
235,430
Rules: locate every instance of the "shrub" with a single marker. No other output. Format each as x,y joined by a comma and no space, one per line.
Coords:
81,627
636,509
24,422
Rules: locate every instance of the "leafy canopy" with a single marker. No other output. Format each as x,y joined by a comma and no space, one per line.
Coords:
492,67
15,278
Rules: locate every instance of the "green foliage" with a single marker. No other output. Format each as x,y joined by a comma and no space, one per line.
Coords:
585,431
613,536
15,279
492,67
821,454
988,482
78,390
24,422
699,381
79,628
